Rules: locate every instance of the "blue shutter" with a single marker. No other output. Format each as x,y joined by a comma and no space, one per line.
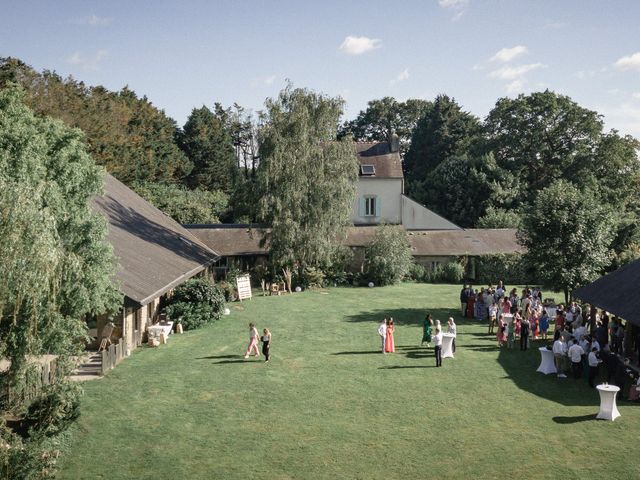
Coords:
378,206
362,209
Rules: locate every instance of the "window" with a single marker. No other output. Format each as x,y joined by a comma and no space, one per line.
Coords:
367,170
370,207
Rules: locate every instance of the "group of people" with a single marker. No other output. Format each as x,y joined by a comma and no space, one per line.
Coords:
254,338
385,330
431,332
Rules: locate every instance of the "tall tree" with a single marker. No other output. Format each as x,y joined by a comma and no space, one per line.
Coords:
56,266
306,179
445,130
568,235
208,144
384,117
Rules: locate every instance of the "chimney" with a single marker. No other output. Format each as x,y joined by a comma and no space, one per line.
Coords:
394,142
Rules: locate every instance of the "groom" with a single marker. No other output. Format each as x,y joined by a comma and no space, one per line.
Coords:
382,331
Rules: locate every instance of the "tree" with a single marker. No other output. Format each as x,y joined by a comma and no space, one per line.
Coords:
208,144
543,137
384,117
388,258
133,139
568,235
306,179
445,130
499,218
184,205
56,265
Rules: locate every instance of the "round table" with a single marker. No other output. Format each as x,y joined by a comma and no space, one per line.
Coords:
547,365
447,345
608,408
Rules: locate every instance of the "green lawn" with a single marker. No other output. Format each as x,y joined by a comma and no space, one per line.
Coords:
329,405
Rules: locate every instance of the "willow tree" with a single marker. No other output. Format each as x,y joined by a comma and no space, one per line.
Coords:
307,179
55,264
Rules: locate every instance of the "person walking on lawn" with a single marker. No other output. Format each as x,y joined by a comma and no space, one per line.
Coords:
266,343
253,341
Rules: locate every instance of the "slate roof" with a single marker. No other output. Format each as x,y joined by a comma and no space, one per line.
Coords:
154,252
230,240
615,292
387,163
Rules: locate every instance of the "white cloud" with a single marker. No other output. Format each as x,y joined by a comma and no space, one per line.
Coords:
516,86
458,6
92,20
402,76
263,81
636,95
630,62
512,73
624,117
359,45
508,54
89,61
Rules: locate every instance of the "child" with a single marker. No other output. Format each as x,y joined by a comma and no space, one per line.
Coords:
544,324
253,341
493,310
266,343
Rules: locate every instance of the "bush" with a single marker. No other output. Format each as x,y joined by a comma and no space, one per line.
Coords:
195,303
22,459
388,258
54,410
417,272
311,278
452,272
508,267
341,260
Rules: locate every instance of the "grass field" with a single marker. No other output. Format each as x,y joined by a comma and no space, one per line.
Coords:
330,406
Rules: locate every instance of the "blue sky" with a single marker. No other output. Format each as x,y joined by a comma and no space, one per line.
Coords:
188,53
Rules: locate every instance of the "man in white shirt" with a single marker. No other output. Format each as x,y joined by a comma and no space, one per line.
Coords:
559,353
594,361
382,331
575,354
437,342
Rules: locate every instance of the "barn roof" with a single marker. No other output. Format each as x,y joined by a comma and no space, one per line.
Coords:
154,252
615,292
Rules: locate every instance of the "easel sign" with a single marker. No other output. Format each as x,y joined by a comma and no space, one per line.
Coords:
244,286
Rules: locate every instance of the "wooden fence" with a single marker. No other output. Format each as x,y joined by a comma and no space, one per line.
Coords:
41,373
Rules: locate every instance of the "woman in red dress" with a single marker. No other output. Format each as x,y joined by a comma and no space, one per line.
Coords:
471,304
389,344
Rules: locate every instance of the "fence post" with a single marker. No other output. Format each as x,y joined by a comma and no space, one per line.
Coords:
105,362
44,373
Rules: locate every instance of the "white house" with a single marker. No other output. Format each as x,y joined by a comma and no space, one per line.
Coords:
380,192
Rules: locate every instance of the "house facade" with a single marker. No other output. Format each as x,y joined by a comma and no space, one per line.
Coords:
380,194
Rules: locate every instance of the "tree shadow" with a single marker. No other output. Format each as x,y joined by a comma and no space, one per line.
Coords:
575,419
404,316
213,357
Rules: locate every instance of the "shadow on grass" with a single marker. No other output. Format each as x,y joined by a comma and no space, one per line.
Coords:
364,352
404,316
576,419
213,357
241,360
395,367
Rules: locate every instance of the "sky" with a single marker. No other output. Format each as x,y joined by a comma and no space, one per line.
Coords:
185,54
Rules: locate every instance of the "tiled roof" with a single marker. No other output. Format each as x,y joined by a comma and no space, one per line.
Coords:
387,163
154,252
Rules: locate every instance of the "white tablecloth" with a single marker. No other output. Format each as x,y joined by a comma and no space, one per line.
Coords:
547,364
447,345
157,329
608,407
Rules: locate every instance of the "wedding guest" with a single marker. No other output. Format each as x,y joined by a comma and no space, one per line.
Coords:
501,336
517,318
426,329
506,306
594,362
389,344
266,343
544,324
559,354
575,353
437,346
253,341
493,311
382,331
511,333
524,334
464,296
453,330
471,303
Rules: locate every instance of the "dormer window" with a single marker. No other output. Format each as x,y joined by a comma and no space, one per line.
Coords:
367,170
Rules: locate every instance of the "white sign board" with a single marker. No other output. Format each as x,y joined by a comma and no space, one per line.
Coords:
244,286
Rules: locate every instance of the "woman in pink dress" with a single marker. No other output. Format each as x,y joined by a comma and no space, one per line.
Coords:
518,320
506,306
533,320
389,344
